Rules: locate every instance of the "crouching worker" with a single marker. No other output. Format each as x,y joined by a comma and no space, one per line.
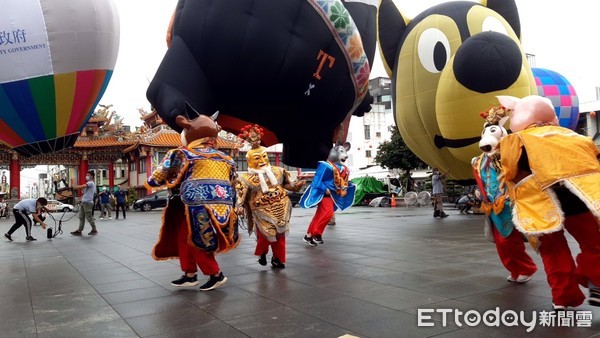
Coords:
466,203
22,210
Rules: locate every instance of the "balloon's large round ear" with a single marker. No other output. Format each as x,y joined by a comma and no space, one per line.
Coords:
347,146
183,122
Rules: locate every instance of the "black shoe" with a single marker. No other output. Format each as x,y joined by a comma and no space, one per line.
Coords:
263,260
594,299
30,238
309,241
276,263
7,236
76,233
93,232
436,213
318,239
186,281
214,282
443,215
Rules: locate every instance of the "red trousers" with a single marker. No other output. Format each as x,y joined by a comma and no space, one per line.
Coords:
190,256
321,217
513,256
262,246
563,276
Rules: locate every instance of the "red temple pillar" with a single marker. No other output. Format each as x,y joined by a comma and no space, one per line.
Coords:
148,170
83,169
277,159
137,170
15,177
129,181
111,175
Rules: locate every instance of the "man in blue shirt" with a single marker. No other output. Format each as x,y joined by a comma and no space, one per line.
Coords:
105,203
121,197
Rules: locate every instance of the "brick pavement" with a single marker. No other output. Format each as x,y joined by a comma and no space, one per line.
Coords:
376,269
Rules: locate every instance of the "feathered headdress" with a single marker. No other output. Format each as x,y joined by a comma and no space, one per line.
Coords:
252,134
495,115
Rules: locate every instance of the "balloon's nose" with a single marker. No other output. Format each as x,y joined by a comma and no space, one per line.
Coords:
488,62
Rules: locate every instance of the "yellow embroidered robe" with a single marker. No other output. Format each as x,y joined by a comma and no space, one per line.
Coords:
268,212
556,156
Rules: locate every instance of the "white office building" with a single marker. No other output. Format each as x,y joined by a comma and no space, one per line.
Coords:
366,133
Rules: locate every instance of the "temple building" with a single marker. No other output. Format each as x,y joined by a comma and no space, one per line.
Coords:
119,156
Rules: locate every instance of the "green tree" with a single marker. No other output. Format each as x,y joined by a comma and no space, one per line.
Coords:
394,154
132,196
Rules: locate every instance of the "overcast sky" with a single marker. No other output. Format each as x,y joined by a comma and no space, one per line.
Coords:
561,34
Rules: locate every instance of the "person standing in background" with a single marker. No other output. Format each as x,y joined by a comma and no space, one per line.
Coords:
438,193
87,204
105,203
121,196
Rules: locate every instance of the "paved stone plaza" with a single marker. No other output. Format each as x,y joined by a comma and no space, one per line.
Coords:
376,269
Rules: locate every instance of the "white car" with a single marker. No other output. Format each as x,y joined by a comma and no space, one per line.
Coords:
57,206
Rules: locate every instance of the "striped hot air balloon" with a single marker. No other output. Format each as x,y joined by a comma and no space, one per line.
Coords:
56,59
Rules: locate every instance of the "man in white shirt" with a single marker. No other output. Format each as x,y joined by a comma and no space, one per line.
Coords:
22,210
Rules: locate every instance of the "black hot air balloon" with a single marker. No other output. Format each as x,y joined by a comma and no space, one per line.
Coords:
298,68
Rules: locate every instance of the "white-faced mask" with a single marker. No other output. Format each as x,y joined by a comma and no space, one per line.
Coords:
88,177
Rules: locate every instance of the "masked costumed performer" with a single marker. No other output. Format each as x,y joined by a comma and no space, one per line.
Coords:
263,198
199,220
330,190
553,177
495,202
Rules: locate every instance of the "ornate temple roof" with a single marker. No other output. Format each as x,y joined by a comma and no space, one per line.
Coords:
105,135
103,141
168,138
